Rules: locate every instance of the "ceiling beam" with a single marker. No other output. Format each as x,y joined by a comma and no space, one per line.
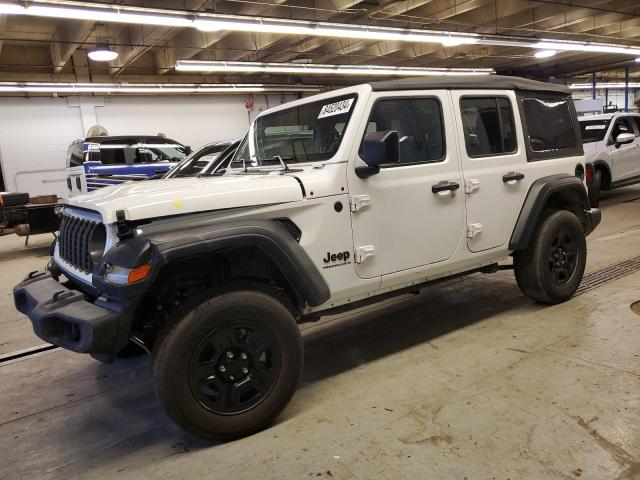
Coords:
67,37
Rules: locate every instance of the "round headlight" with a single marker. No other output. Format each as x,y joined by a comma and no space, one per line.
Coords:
97,243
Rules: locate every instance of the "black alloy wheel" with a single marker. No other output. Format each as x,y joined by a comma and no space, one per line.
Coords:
563,258
234,367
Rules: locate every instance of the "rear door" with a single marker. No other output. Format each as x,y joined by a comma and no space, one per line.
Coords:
400,220
494,165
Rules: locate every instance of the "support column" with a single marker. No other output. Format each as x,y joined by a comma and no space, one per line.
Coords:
626,89
593,85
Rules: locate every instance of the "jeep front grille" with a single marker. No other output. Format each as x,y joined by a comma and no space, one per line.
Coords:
74,241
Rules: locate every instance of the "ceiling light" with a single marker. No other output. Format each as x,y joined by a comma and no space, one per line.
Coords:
133,88
102,53
544,53
317,69
589,86
216,22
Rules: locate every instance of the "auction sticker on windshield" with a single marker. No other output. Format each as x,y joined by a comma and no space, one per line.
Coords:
336,108
595,127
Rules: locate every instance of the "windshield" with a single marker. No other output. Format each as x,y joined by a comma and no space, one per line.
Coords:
199,162
307,133
594,130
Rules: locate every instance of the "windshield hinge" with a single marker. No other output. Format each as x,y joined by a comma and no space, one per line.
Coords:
471,185
359,201
364,252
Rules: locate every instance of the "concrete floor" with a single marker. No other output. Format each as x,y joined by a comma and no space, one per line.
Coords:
468,380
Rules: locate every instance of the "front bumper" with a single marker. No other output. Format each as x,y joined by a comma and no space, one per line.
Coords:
64,317
593,217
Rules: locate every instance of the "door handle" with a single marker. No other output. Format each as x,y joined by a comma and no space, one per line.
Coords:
512,177
445,186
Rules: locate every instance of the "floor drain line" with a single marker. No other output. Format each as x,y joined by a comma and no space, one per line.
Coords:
607,274
26,352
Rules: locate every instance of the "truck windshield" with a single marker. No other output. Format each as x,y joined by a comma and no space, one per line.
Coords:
594,130
307,133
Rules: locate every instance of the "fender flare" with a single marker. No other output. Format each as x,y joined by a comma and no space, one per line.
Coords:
163,242
600,163
534,204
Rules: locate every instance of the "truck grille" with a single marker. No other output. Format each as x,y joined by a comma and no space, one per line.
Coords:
74,242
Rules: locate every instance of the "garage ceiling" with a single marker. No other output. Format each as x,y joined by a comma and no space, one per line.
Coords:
50,49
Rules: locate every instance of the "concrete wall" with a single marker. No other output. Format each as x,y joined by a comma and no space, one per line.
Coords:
36,132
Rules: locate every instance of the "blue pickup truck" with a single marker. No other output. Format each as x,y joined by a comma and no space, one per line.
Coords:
97,162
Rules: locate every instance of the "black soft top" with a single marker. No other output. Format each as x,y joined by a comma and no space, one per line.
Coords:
132,139
477,82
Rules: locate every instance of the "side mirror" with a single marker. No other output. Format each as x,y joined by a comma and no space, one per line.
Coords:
188,150
624,138
379,148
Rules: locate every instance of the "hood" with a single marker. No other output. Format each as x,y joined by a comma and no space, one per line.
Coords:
159,198
591,150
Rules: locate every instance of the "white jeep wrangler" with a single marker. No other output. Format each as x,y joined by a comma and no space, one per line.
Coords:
611,143
331,202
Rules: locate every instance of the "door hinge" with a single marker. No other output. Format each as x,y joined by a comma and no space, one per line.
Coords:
364,252
359,201
471,185
474,229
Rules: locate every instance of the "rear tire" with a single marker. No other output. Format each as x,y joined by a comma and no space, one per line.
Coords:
230,365
595,188
551,269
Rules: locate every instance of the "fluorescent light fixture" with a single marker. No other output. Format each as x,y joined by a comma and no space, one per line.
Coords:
544,53
311,69
586,47
166,88
102,53
211,22
589,86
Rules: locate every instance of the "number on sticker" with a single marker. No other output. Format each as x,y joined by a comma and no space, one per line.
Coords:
337,108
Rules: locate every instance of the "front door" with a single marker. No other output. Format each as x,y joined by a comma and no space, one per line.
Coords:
625,158
494,166
403,216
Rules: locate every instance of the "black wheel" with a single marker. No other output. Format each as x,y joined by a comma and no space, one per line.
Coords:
551,270
595,187
230,365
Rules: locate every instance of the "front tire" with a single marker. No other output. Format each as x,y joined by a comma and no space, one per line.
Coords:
230,365
551,269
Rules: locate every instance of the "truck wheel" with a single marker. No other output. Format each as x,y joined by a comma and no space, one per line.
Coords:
595,187
230,365
551,269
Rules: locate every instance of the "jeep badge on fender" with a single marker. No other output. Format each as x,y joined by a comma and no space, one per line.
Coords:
337,257
213,275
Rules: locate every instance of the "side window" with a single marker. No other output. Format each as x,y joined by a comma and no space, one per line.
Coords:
116,152
550,126
637,122
418,122
488,126
622,125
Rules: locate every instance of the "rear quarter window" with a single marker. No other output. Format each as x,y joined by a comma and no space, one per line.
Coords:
550,127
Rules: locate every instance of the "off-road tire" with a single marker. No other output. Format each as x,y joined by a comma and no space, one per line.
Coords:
535,269
174,363
595,188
